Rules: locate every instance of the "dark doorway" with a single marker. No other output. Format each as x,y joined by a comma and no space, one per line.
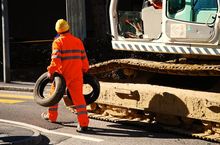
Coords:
31,31
34,20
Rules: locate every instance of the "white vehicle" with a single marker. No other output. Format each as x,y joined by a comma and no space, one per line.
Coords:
187,27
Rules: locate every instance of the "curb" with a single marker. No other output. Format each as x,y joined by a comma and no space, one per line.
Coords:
17,86
10,88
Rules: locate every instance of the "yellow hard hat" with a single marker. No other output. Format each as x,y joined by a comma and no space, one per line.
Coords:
61,26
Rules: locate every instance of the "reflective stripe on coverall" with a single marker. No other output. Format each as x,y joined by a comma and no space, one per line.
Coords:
69,59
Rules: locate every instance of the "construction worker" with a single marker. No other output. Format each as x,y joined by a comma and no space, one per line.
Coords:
69,59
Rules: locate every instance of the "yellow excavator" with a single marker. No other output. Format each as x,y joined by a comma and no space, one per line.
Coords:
181,93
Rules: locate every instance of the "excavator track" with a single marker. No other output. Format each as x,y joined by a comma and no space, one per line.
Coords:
157,67
182,67
204,136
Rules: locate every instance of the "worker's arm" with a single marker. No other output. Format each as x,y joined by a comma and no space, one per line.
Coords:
55,64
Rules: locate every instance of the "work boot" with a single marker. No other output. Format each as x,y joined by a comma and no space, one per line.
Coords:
45,116
81,128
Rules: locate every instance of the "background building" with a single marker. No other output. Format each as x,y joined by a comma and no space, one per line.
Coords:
31,31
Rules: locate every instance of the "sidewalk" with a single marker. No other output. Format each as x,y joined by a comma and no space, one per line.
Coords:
17,86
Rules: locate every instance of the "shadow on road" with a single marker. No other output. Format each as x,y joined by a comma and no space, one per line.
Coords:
121,130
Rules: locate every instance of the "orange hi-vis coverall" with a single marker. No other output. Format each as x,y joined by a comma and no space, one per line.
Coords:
69,59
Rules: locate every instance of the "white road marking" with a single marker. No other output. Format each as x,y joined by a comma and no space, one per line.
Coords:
52,132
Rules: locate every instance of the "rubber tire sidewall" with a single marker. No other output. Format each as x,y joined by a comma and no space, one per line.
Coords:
40,85
94,83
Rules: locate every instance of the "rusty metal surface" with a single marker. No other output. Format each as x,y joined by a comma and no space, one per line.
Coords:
157,67
160,99
172,102
215,137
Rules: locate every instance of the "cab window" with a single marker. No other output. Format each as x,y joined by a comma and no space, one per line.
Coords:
196,11
175,6
130,24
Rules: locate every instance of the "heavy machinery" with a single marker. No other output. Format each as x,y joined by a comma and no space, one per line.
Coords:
172,74
180,87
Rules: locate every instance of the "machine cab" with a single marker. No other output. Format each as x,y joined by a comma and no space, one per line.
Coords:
188,21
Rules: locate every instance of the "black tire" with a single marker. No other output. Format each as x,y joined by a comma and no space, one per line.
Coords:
94,94
42,81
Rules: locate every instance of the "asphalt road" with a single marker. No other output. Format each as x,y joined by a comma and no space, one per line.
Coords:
20,108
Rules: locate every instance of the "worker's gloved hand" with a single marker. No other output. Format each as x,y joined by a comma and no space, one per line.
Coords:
50,76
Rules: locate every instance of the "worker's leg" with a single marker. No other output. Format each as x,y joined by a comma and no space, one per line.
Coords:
53,113
52,110
68,103
75,89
